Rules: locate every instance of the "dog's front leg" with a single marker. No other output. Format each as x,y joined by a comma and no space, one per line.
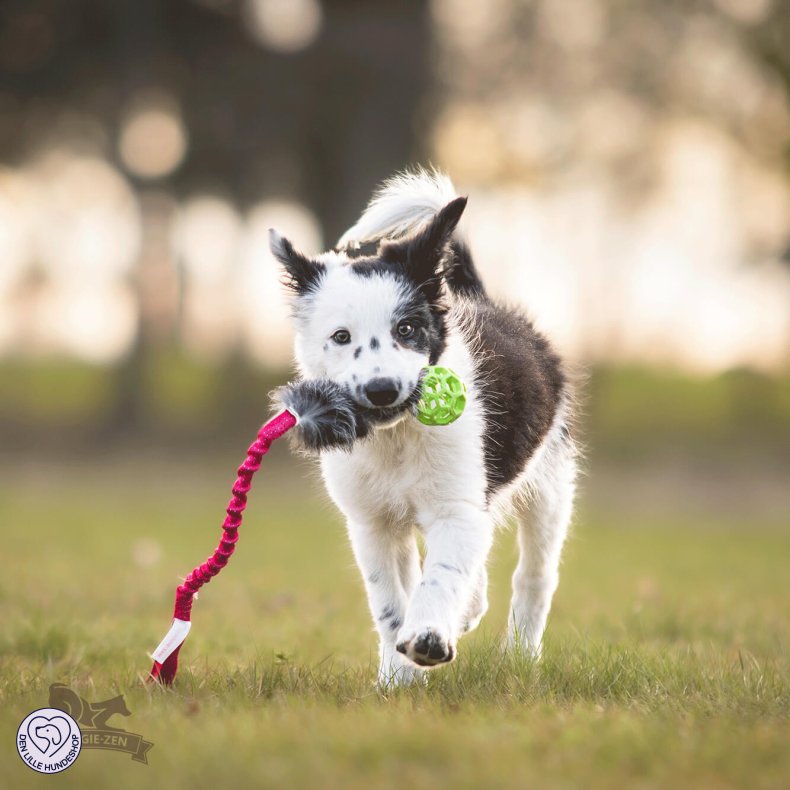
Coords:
386,557
457,538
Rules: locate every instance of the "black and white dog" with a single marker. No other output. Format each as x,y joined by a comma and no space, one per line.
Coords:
369,324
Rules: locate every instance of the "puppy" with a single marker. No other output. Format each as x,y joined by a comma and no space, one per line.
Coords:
369,323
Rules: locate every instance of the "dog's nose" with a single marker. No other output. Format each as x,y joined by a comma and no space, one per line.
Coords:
381,392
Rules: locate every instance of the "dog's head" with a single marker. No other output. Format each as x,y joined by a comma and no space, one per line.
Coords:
370,324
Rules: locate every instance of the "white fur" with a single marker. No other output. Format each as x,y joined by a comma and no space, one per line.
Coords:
542,501
402,204
408,476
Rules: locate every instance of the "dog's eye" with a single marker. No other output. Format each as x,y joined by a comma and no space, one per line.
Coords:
342,337
405,329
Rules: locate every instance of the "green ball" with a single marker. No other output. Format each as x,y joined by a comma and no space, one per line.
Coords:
443,396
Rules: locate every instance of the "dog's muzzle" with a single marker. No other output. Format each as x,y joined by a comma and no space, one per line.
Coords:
382,392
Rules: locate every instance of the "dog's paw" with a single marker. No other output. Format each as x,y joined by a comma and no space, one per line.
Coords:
426,647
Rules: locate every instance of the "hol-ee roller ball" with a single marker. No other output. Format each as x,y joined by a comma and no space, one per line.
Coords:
327,417
443,396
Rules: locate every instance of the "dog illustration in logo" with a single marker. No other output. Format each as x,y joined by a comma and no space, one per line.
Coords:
92,715
48,735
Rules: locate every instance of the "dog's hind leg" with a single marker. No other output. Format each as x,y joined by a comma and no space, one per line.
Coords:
542,528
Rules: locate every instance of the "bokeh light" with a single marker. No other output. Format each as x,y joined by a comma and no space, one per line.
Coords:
264,302
748,12
96,322
88,223
16,225
206,238
285,26
153,140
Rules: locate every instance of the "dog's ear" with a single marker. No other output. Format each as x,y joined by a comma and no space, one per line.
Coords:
421,255
302,273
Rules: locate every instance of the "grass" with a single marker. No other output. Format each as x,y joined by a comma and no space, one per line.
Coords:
665,662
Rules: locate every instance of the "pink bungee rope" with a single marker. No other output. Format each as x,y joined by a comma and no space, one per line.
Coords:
166,654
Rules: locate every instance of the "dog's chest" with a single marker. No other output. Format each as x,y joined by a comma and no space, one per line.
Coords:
402,471
400,467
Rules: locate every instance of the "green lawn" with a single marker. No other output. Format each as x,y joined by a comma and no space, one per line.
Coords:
665,665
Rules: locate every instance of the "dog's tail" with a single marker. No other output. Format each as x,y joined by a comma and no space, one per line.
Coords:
400,207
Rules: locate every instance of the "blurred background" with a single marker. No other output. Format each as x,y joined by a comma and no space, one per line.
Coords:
628,173
627,167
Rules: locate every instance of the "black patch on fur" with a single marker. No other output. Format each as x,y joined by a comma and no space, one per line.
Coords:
357,352
387,613
521,384
375,577
301,274
374,344
422,255
329,417
395,624
429,336
460,272
371,266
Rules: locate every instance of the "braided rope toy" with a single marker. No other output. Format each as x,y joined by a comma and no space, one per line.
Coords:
442,402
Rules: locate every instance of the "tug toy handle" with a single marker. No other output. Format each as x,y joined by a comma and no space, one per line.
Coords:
166,654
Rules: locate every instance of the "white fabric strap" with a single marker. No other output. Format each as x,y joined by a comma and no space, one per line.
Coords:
174,637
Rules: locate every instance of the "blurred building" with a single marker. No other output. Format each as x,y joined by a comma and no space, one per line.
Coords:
625,165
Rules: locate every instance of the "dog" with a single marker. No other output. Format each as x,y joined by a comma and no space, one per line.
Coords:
401,291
